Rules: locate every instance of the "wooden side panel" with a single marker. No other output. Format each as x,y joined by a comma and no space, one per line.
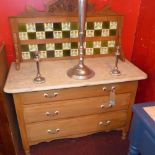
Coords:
20,117
6,135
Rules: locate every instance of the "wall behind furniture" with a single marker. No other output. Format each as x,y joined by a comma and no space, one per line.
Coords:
129,9
144,50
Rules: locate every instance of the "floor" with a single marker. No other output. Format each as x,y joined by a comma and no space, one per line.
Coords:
107,143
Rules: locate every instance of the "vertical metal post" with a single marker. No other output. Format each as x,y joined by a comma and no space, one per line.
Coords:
81,71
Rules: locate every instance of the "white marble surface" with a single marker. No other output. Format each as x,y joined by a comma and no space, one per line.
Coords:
56,77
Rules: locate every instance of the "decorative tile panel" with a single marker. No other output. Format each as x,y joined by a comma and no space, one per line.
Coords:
60,30
60,50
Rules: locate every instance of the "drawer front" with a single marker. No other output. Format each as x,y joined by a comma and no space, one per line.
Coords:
72,108
49,130
75,93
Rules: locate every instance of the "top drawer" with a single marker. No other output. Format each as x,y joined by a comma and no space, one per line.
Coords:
75,93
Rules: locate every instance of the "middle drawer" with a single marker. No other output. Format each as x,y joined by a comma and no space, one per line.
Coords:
73,108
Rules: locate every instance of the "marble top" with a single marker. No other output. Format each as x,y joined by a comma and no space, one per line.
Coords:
150,111
56,77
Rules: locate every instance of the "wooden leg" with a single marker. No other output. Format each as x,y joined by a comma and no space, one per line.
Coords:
124,134
27,152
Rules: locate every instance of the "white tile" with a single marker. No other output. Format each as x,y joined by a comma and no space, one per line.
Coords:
98,25
23,36
66,26
50,46
57,34
48,26
58,53
105,32
89,33
74,52
113,25
25,55
74,34
31,27
40,35
33,47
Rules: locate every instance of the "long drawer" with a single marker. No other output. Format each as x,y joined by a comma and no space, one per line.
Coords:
49,130
72,108
75,93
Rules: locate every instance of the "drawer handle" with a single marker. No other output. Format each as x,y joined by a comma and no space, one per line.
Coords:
53,132
103,106
112,100
52,114
46,95
104,88
105,123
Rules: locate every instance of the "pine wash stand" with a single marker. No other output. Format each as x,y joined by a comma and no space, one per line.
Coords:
63,107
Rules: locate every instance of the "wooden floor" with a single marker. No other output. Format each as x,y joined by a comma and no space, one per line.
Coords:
109,143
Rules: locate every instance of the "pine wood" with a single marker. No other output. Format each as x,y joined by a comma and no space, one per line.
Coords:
75,93
79,112
37,132
19,112
73,108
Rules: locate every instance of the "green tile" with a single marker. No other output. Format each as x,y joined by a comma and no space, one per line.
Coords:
24,48
90,26
39,26
32,35
57,27
74,45
22,28
41,47
66,53
112,32
66,34
96,50
97,33
48,35
104,43
89,44
58,46
32,55
50,54
106,25
110,50
74,26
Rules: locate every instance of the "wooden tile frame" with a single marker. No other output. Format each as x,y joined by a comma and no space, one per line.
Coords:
43,18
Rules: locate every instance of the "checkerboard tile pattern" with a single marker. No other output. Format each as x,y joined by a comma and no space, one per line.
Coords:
59,30
59,50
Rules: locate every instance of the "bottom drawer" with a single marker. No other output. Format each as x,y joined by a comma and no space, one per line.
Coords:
49,130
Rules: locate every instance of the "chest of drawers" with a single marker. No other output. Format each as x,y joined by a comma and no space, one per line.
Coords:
65,108
73,112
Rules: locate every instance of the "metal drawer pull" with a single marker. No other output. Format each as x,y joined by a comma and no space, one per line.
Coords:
53,131
112,100
46,95
105,123
104,107
104,88
51,114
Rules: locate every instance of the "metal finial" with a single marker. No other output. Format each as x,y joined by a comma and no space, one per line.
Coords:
38,79
115,70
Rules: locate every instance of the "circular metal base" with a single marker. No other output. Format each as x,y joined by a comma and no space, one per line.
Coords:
80,72
39,80
115,72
